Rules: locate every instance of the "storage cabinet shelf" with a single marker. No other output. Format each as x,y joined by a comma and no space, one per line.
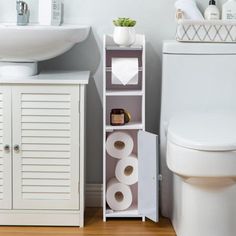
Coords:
109,69
129,126
130,98
132,104
132,212
117,48
124,93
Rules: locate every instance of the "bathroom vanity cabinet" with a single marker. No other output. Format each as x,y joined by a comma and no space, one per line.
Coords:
131,98
42,149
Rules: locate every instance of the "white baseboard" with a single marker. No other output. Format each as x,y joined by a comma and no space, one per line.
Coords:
93,195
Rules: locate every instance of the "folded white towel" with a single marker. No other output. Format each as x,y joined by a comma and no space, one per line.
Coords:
125,71
190,9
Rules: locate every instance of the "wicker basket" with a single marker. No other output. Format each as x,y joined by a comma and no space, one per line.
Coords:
206,31
217,31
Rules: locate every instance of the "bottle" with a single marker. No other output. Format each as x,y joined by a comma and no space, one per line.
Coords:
50,12
229,10
119,117
212,12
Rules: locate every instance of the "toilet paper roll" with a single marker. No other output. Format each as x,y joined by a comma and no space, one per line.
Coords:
119,145
119,196
125,71
127,170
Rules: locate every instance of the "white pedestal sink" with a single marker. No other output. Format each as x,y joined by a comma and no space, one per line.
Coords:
21,47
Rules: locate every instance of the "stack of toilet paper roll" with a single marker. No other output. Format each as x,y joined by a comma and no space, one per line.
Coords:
120,145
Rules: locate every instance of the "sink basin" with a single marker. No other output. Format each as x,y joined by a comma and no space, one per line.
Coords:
26,45
37,43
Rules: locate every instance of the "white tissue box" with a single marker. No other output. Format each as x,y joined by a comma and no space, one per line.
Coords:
50,12
217,31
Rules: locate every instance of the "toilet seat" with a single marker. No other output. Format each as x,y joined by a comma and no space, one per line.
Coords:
215,131
202,145
194,163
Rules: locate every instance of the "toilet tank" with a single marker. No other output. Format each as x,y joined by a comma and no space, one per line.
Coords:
196,77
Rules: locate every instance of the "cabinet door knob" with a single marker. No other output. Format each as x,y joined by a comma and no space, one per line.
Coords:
16,148
7,148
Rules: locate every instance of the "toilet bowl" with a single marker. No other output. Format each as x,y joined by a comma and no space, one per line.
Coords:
201,153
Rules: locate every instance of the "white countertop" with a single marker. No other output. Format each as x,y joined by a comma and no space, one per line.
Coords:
50,77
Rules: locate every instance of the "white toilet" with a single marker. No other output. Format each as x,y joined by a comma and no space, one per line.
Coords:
198,138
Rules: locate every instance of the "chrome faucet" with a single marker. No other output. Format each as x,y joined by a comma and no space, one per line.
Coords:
22,12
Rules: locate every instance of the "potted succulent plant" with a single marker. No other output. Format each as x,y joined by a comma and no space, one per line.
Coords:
124,33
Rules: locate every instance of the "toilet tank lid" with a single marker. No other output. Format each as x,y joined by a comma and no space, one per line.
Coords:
210,131
180,48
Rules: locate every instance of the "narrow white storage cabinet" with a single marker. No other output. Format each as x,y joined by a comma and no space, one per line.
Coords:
42,149
130,154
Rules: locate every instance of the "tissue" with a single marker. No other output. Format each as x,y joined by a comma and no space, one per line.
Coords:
125,71
119,145
119,196
127,170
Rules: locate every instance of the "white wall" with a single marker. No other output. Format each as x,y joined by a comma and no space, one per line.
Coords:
155,19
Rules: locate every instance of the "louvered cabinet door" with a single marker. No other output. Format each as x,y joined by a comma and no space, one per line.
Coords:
5,148
46,147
